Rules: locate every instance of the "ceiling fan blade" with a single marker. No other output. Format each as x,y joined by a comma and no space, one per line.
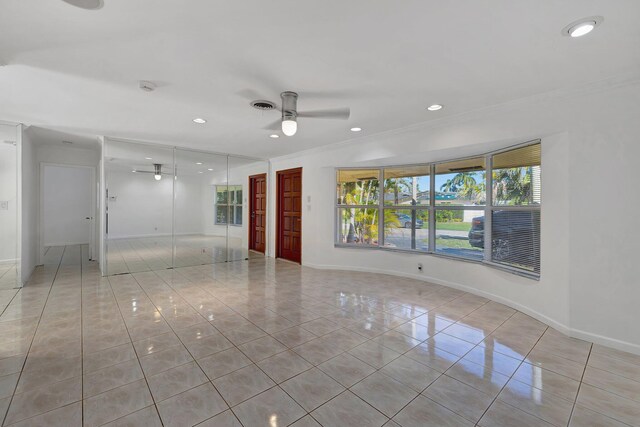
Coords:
277,125
335,113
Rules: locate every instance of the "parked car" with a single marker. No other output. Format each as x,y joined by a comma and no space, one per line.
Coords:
514,237
405,221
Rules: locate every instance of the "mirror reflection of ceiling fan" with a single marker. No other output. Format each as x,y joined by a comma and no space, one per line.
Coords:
157,171
290,114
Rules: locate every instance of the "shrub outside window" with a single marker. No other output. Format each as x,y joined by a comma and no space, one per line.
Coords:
444,208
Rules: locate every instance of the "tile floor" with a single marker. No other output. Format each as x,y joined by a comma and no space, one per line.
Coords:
265,343
156,253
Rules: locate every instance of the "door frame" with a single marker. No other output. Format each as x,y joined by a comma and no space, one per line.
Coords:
251,219
93,209
279,175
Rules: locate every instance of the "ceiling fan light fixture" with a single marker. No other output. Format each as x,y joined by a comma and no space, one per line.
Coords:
157,171
289,126
157,177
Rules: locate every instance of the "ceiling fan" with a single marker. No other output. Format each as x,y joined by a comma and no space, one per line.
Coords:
157,171
290,114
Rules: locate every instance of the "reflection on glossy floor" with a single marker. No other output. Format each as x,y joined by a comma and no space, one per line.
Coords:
264,343
155,253
8,275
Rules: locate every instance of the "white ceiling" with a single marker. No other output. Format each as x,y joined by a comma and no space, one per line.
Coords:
76,71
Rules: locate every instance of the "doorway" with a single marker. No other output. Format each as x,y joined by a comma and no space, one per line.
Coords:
257,212
289,220
68,205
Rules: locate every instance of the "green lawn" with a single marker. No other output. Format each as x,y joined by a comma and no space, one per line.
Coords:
453,243
458,226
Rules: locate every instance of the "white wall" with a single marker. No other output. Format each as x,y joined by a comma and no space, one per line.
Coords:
142,206
589,278
30,206
67,202
8,194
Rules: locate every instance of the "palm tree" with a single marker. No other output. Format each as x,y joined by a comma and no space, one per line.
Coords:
465,184
397,184
512,185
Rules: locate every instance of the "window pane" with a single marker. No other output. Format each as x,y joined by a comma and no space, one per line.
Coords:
400,231
453,231
238,216
358,226
358,186
407,185
461,182
515,239
221,194
239,195
516,176
221,214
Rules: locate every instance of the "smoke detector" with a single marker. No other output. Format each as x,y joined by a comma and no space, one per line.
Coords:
262,104
147,86
86,4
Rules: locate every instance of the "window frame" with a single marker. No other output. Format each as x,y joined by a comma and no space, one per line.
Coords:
488,208
231,207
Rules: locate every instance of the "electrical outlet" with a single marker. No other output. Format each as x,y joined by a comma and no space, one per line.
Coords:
419,266
4,205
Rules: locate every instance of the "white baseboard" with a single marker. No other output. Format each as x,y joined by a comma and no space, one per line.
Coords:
565,329
8,261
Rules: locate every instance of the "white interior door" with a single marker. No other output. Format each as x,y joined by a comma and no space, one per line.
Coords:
68,206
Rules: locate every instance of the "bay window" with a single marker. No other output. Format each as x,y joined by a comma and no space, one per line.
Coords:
444,208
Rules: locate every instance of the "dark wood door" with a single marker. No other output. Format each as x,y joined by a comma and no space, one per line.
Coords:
257,212
289,232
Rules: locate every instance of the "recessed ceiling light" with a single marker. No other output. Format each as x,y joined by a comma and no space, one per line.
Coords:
134,171
435,107
148,158
209,169
198,163
199,171
274,135
199,120
582,26
356,129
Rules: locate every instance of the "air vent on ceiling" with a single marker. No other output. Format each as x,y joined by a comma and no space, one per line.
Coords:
67,142
261,104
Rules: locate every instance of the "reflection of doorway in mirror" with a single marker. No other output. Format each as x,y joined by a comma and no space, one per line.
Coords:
8,208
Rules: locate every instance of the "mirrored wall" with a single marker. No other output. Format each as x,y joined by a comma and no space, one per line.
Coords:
9,231
168,207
